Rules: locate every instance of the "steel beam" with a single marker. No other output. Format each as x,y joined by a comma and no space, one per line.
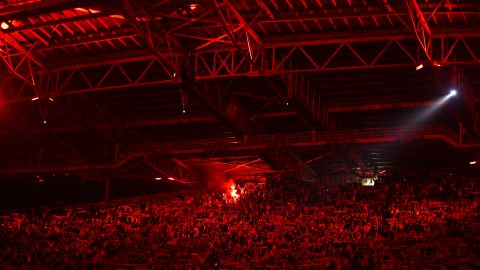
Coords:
420,28
256,144
285,156
379,106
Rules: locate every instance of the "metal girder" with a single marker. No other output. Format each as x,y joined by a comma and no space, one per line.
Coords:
7,9
379,106
266,8
255,144
420,28
142,68
471,115
54,23
19,61
96,118
148,31
303,99
286,158
225,108
171,170
209,119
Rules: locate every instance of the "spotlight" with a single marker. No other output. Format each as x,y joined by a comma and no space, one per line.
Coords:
286,103
453,92
158,178
419,67
45,121
473,162
171,178
184,111
35,98
4,25
193,6
51,99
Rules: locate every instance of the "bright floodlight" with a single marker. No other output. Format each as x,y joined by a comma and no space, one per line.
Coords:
435,106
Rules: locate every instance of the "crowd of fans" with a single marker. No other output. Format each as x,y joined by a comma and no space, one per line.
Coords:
395,225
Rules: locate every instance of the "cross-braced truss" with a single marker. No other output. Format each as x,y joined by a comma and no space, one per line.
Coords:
233,60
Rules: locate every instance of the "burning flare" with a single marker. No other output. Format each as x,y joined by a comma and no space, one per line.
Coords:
233,193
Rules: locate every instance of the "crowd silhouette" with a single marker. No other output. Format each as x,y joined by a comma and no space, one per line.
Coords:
397,224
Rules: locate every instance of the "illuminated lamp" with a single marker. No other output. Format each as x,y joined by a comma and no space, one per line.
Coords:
4,25
419,67
193,6
158,178
473,162
171,178
453,92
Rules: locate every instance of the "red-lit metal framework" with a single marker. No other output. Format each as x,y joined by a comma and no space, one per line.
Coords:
257,143
68,56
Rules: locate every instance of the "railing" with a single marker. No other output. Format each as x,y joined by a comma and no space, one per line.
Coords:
313,138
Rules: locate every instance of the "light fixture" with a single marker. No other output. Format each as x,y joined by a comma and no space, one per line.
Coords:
453,92
193,6
473,162
51,99
88,10
35,98
419,67
184,111
158,178
44,121
171,178
4,25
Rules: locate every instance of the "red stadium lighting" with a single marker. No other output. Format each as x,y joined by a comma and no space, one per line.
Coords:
193,6
87,10
233,192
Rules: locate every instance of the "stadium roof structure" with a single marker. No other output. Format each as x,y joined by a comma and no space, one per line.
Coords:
253,86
